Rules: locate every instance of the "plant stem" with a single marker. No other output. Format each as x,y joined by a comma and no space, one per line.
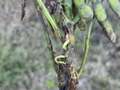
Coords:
86,50
49,18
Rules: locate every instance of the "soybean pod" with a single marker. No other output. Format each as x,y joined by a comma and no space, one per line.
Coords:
115,5
101,16
78,3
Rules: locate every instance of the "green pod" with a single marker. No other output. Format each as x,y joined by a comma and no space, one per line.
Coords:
108,26
78,3
101,16
86,12
109,30
100,12
115,5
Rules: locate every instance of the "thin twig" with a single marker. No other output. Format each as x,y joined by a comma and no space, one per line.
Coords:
23,5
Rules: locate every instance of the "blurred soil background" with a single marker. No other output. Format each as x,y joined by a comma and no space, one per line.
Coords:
26,62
